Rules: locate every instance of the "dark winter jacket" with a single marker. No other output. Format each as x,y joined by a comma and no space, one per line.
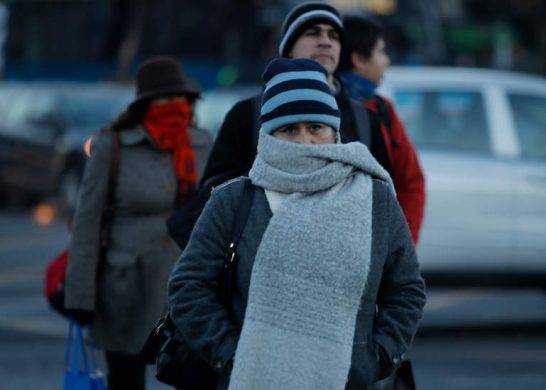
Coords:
394,285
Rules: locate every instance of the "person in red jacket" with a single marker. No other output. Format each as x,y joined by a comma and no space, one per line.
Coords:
362,70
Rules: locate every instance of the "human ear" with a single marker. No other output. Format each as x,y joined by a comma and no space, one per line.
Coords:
357,60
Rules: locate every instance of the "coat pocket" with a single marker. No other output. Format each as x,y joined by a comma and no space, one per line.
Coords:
119,300
364,365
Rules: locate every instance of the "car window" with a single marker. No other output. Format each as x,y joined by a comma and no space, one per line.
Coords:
445,120
14,107
530,121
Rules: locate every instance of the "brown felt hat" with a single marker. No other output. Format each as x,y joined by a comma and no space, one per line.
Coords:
162,77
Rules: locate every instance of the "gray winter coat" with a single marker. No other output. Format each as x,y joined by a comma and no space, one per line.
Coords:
394,287
127,292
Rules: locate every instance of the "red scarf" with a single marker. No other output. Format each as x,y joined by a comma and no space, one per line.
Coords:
168,124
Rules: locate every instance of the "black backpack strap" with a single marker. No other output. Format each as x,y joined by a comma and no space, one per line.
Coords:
378,147
385,117
109,208
362,122
230,260
368,127
383,111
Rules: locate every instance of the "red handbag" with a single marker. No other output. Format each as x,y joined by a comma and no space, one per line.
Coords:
56,274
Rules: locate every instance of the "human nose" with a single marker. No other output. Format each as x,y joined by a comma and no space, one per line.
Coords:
325,39
306,138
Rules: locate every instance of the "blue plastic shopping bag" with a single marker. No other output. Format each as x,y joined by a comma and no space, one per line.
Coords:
79,374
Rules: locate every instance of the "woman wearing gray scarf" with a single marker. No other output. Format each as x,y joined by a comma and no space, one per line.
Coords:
328,293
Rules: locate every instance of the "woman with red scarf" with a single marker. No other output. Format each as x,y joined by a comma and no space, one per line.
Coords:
121,290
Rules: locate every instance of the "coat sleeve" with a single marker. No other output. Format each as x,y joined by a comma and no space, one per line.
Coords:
409,179
193,302
84,247
401,295
233,150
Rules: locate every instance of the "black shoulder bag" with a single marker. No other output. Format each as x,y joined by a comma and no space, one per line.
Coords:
176,364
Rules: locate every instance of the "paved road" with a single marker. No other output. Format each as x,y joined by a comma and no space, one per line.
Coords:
470,338
497,361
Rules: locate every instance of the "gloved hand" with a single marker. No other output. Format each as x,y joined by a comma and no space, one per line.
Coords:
82,317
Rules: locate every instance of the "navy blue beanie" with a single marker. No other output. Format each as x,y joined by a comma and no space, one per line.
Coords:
305,16
297,90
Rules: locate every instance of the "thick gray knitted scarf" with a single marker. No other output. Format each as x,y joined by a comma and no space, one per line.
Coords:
310,269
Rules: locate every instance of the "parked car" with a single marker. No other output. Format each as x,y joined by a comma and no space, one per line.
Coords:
42,131
481,137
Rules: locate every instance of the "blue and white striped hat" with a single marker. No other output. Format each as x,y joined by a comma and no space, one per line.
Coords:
297,90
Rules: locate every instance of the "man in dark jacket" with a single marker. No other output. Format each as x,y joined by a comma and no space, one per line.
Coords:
311,30
362,68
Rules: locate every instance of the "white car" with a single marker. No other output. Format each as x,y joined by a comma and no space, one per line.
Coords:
481,137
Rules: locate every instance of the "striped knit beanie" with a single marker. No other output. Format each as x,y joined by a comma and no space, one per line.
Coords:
304,16
297,90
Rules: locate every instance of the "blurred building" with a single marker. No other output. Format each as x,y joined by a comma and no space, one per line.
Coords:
221,42
507,34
